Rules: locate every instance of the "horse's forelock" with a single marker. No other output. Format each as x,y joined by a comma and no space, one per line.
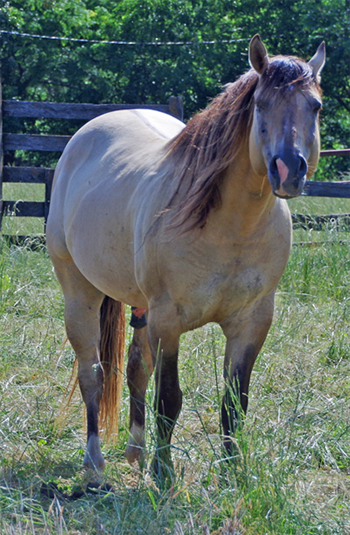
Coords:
283,72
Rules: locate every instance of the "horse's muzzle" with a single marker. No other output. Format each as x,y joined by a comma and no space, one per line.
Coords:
287,175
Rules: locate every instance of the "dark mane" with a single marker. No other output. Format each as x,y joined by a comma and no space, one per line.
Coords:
212,139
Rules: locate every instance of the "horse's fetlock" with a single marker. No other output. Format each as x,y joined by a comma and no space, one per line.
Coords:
135,448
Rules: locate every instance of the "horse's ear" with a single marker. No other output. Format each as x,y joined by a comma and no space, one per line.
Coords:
258,57
318,60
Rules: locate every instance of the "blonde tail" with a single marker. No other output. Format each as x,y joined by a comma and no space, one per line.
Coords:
112,347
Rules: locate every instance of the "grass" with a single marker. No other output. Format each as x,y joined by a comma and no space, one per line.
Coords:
23,192
292,472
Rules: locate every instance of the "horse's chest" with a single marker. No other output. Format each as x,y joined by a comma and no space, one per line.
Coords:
243,285
237,287
224,290
209,280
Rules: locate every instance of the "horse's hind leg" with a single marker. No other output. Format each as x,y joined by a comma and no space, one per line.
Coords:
139,370
82,312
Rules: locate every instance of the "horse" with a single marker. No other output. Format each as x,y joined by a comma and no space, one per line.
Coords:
188,224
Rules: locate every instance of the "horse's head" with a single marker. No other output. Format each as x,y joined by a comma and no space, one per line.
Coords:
284,139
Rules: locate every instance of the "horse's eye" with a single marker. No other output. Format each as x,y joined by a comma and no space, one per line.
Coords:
261,106
316,106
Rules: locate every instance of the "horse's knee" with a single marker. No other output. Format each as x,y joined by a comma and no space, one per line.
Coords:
138,374
134,365
231,415
140,365
235,402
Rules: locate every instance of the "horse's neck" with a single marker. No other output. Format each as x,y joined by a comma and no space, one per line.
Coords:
246,198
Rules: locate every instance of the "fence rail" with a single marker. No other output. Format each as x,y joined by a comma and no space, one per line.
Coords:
85,112
327,189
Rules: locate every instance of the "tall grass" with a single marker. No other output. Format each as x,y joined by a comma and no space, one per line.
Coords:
292,466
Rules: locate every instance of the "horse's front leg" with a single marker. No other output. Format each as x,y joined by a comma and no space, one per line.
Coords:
244,341
164,343
139,370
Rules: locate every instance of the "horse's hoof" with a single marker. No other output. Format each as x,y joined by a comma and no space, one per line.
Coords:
162,472
134,453
93,459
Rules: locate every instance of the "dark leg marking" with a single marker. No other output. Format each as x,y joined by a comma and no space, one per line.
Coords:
235,399
167,406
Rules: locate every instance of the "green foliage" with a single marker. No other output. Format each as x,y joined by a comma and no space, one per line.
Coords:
76,72
58,70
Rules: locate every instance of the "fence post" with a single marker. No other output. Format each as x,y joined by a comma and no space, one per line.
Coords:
48,188
176,107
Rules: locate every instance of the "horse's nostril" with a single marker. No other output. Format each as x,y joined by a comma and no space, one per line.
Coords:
273,165
302,170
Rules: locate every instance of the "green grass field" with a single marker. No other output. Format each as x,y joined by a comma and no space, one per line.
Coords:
292,473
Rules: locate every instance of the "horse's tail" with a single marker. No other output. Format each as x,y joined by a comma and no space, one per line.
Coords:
112,347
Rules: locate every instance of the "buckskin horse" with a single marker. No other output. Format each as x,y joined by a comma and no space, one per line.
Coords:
189,222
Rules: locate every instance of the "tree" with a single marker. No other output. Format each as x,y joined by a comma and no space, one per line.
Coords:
218,33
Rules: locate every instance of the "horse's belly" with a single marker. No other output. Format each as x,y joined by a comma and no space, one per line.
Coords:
113,278
103,250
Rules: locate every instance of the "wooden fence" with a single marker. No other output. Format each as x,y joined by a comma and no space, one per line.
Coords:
43,143
84,112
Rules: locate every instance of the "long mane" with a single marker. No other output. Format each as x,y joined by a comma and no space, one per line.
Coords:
204,150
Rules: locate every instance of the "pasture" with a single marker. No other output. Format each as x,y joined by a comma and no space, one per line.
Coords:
292,468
